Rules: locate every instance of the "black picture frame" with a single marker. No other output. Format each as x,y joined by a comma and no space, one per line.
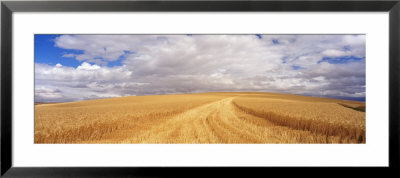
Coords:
8,7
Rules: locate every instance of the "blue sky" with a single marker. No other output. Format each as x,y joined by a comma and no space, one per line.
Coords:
79,67
46,52
341,59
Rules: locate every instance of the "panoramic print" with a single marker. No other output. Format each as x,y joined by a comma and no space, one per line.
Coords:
200,89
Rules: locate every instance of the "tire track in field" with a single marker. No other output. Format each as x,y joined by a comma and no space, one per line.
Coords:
215,122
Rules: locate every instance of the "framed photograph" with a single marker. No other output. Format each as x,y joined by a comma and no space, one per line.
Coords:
161,88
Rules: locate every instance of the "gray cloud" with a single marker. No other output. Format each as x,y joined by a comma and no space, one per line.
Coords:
162,64
47,94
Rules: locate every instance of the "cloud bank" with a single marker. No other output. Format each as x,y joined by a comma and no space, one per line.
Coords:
316,65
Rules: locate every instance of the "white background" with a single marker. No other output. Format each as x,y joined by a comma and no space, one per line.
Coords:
373,153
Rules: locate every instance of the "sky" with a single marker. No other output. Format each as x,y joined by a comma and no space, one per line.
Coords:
83,67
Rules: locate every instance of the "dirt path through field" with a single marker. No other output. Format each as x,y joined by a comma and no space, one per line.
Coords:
215,122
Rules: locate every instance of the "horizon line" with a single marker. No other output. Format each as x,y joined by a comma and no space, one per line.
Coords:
358,99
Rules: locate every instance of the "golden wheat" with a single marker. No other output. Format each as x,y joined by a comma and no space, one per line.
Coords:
327,118
202,118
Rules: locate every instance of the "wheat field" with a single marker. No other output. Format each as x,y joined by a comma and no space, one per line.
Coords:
203,118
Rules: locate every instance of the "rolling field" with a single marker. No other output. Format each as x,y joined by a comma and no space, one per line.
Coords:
202,118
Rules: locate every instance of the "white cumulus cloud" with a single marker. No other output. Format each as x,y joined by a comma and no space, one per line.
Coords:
162,64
